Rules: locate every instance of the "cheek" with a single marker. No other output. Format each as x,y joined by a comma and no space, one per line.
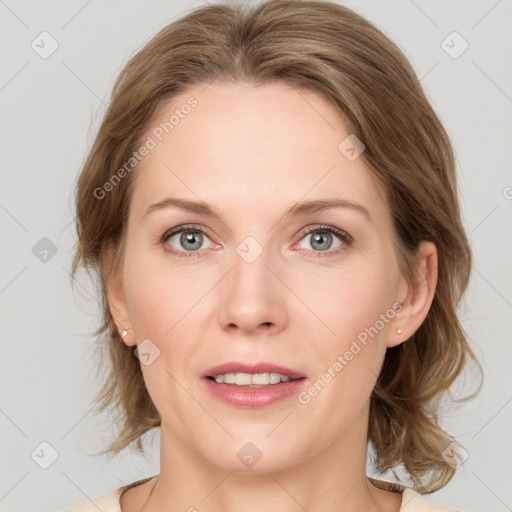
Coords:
159,294
350,298
347,348
161,304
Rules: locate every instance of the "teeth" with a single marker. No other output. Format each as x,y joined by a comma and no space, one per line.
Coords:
251,379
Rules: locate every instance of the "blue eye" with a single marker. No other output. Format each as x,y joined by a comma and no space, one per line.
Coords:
322,240
190,240
190,237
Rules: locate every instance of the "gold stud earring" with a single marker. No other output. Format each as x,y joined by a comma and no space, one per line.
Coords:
125,332
399,331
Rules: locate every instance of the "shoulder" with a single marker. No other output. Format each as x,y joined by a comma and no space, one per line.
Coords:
108,502
412,501
415,502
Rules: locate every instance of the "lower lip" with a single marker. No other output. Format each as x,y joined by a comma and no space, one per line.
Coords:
253,398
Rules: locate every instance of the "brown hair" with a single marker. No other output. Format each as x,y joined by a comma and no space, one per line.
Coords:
331,50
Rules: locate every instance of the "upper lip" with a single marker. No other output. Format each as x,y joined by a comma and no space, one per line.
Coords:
262,367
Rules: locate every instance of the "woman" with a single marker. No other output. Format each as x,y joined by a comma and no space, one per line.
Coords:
271,205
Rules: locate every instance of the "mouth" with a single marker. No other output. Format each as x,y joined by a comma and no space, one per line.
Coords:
251,374
252,380
252,386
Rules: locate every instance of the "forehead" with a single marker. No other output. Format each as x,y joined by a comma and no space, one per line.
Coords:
239,147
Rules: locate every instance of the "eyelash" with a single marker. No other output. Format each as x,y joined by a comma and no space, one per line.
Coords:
344,236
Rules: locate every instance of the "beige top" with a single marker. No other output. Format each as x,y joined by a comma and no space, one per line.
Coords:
411,500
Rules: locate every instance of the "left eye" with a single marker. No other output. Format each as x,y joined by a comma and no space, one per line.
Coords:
321,239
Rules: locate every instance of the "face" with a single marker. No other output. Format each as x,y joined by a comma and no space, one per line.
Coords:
314,291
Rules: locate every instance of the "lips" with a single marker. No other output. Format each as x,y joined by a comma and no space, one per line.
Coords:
262,367
250,396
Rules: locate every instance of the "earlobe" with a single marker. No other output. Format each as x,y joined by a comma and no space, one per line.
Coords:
418,298
115,296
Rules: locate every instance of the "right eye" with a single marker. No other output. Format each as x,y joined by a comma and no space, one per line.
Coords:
188,241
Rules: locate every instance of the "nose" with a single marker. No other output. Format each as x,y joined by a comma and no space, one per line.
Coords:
252,296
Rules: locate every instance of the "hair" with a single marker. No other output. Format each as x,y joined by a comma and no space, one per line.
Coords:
330,50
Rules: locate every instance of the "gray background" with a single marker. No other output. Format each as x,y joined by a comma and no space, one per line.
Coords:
51,109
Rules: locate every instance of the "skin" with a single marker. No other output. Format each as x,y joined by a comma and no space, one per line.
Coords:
251,153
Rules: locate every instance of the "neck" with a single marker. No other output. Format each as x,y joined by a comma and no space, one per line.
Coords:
334,479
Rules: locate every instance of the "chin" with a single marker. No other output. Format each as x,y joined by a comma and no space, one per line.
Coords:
256,452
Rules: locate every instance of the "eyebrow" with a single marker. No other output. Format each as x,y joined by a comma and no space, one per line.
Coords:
297,210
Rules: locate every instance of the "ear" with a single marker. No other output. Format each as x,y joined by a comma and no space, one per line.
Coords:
115,295
417,297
